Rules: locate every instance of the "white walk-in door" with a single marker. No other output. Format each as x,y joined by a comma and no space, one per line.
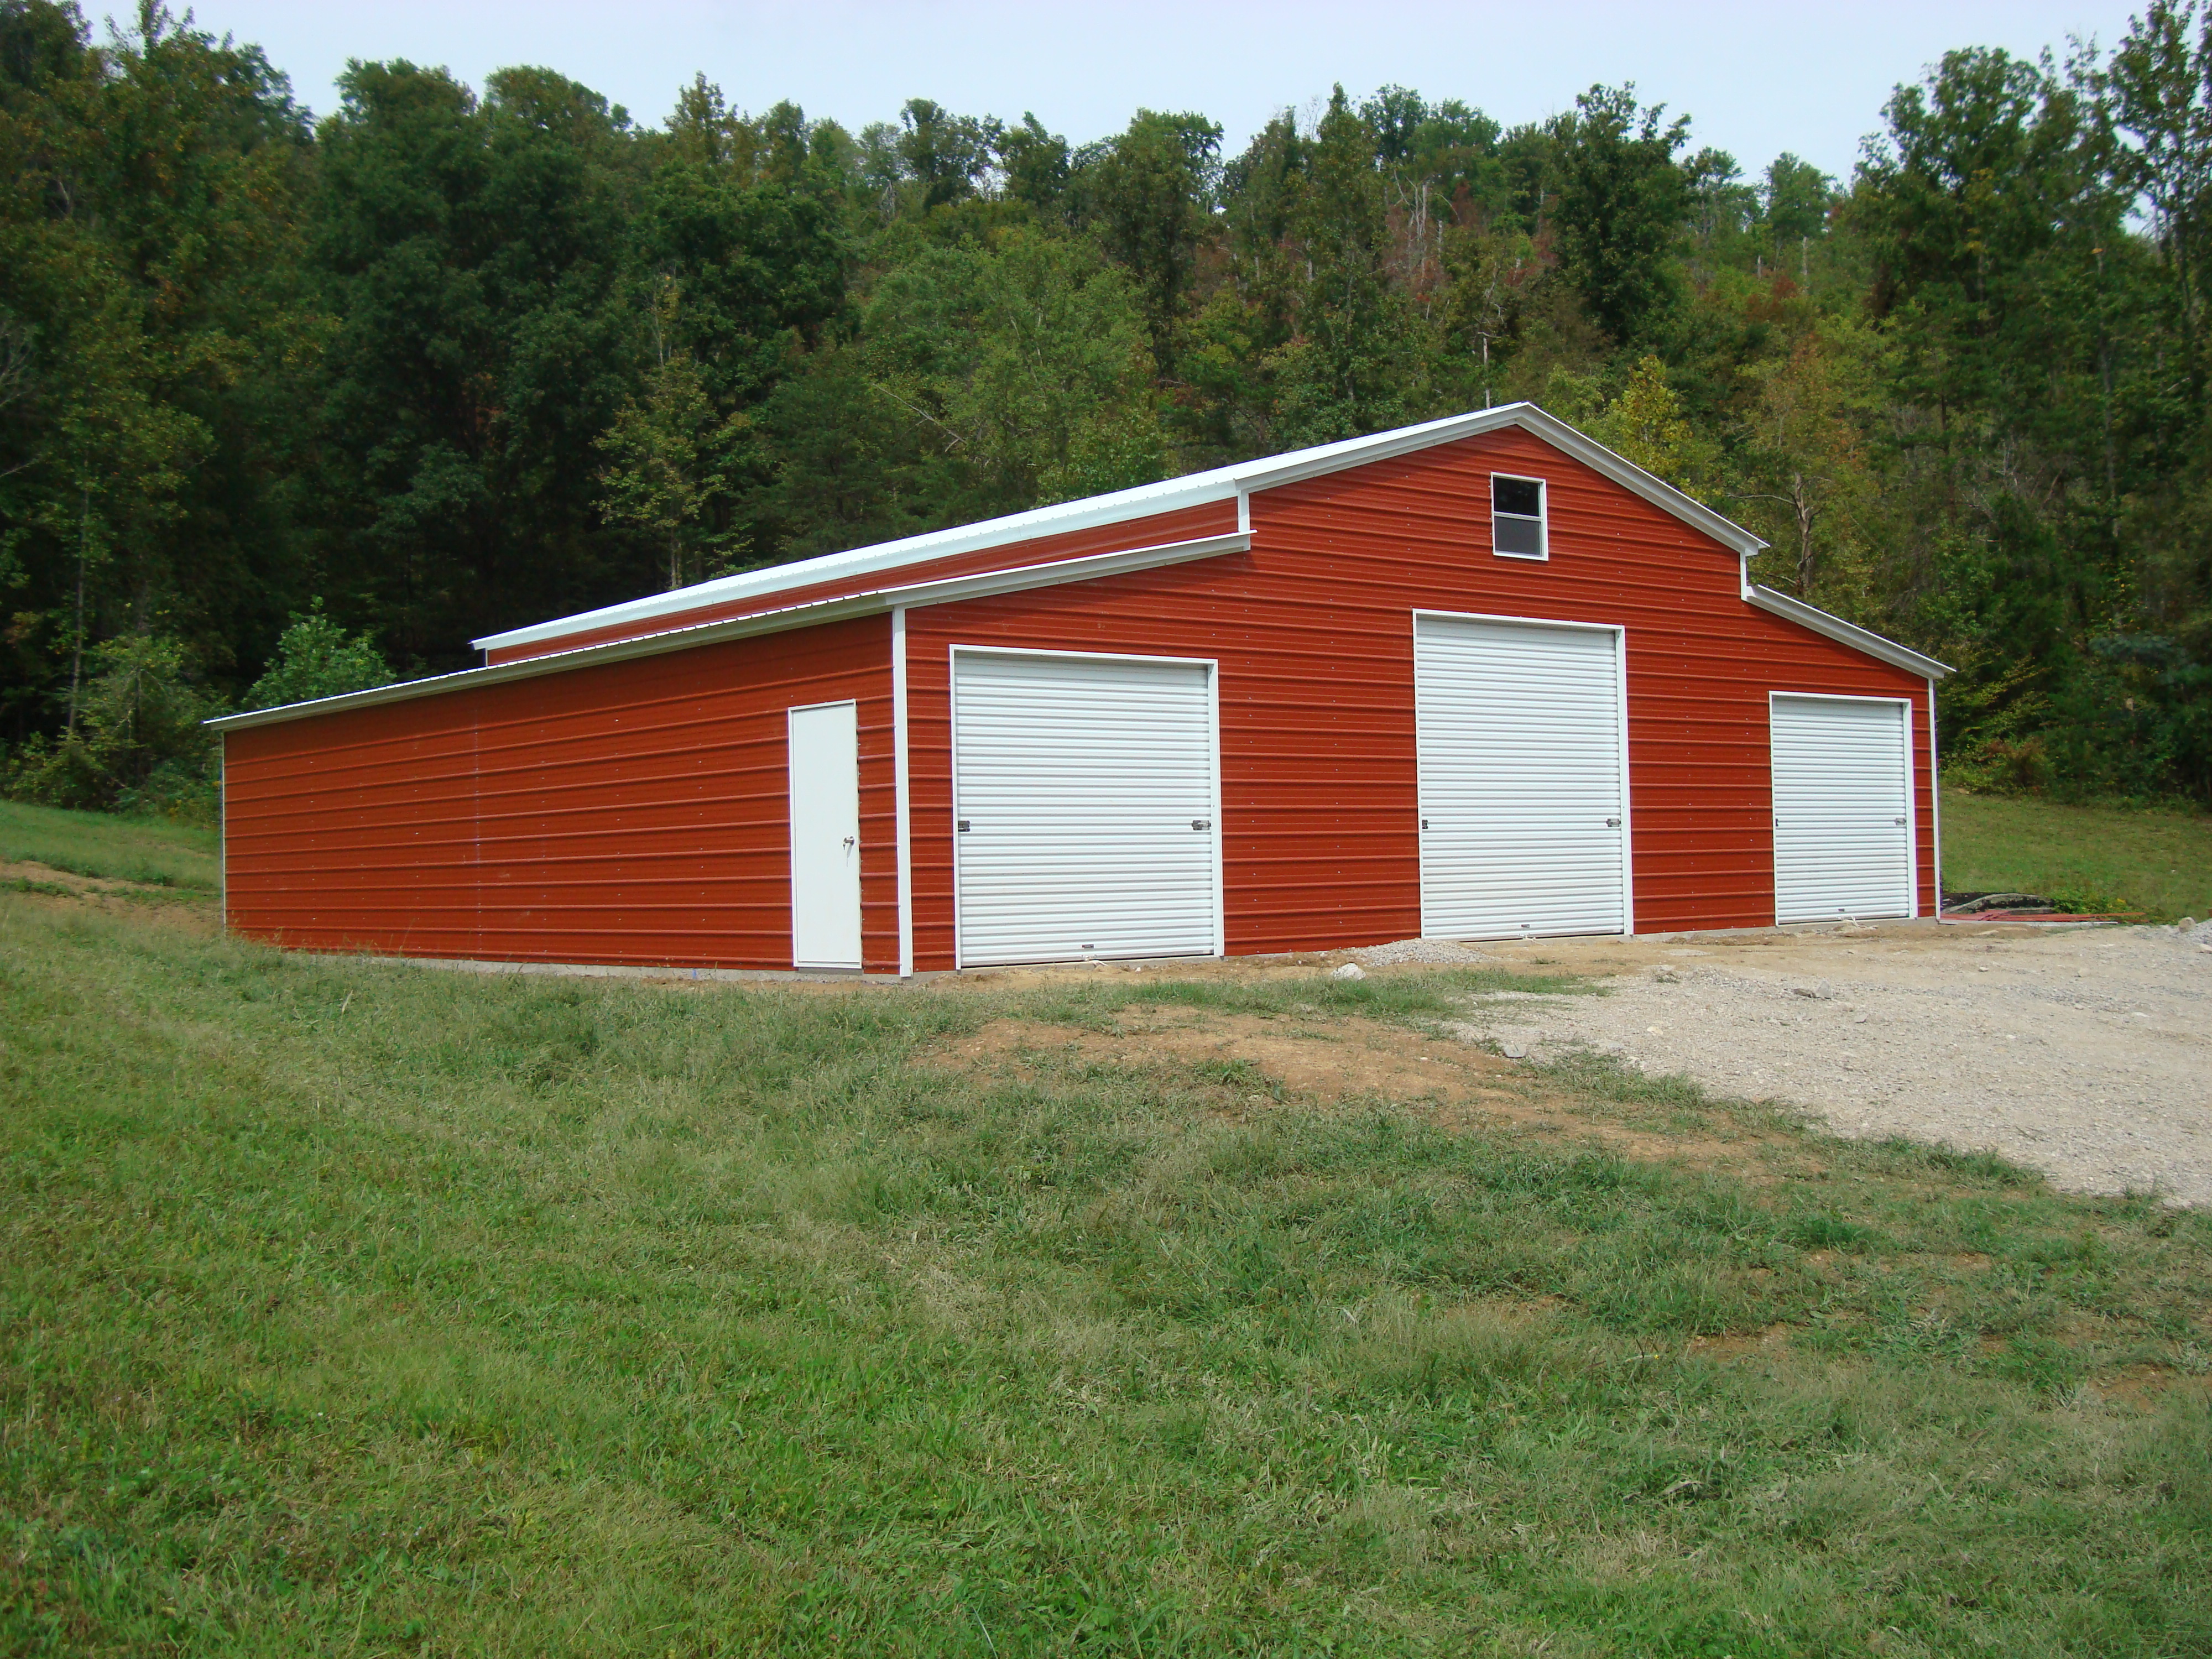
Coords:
1523,800
1084,807
825,836
1842,807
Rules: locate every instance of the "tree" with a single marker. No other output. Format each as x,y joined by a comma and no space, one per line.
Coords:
1620,208
673,466
1151,195
316,658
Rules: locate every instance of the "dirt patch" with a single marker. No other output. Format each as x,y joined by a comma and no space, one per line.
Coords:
2145,1385
1741,1345
1260,1062
44,887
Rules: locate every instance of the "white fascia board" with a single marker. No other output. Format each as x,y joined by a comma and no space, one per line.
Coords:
1142,503
1235,483
872,603
1844,633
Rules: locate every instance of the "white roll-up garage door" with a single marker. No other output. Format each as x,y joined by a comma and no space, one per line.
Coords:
1842,807
1523,797
1085,796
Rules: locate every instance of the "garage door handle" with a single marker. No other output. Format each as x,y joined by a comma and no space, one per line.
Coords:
963,826
1201,823
1900,823
1613,824
1425,823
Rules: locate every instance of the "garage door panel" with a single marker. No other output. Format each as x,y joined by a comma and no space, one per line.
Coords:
1080,781
1520,744
1842,808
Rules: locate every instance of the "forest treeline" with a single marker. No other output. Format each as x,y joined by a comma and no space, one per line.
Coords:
446,361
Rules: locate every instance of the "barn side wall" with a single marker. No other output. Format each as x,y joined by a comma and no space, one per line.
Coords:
633,812
1313,631
1186,524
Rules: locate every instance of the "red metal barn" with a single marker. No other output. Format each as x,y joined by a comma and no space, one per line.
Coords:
1477,679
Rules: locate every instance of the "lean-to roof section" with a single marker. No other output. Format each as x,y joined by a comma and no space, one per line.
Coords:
1227,483
983,584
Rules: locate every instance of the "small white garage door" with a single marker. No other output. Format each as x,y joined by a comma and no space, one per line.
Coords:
1084,796
1522,795
1842,807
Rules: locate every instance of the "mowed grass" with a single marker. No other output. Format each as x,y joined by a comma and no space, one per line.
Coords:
2157,862
347,1309
149,850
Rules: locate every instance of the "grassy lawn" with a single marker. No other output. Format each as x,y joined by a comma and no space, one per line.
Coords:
2160,863
358,1311
148,850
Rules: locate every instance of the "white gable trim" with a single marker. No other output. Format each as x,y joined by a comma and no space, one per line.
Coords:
1236,482
1844,633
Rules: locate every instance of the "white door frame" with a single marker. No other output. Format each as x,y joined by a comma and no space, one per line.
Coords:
791,826
1213,667
1912,788
1620,725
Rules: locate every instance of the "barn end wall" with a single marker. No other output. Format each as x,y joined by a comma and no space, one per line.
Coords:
633,813
1186,524
1313,630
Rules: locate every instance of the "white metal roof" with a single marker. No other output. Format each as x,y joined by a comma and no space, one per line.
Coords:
1195,490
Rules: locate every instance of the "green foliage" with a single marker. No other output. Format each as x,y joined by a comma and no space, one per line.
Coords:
135,738
463,359
316,658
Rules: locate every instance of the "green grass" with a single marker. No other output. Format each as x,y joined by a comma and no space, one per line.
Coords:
149,850
2108,857
347,1309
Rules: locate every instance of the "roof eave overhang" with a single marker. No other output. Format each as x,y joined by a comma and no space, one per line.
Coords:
1121,507
1844,633
876,602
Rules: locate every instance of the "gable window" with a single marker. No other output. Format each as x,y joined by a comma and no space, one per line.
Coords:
1516,517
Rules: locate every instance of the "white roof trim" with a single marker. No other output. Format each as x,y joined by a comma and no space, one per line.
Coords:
1194,489
914,595
1844,633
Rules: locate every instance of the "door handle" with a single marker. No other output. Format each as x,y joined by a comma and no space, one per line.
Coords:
850,839
1425,823
963,826
1613,824
1201,823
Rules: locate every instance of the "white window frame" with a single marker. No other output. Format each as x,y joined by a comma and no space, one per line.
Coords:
1212,667
1620,633
1904,705
1543,516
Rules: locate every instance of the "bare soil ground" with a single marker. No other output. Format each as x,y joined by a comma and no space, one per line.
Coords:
1333,1060
2085,1054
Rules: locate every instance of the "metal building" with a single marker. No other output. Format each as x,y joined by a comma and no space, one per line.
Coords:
1479,679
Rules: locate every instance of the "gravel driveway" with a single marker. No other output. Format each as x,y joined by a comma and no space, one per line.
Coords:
2087,1054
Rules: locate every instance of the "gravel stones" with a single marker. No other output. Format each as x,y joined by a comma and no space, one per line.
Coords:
1433,952
2087,1055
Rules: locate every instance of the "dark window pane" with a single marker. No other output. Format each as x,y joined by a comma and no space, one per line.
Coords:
1510,535
1522,496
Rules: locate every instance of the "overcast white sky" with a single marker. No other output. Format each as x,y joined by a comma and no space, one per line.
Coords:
1757,78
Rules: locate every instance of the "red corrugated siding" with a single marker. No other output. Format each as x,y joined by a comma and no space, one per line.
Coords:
633,813
1313,630
1214,519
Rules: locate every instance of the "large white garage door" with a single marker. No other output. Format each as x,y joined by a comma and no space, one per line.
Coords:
1842,808
1083,797
1523,797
